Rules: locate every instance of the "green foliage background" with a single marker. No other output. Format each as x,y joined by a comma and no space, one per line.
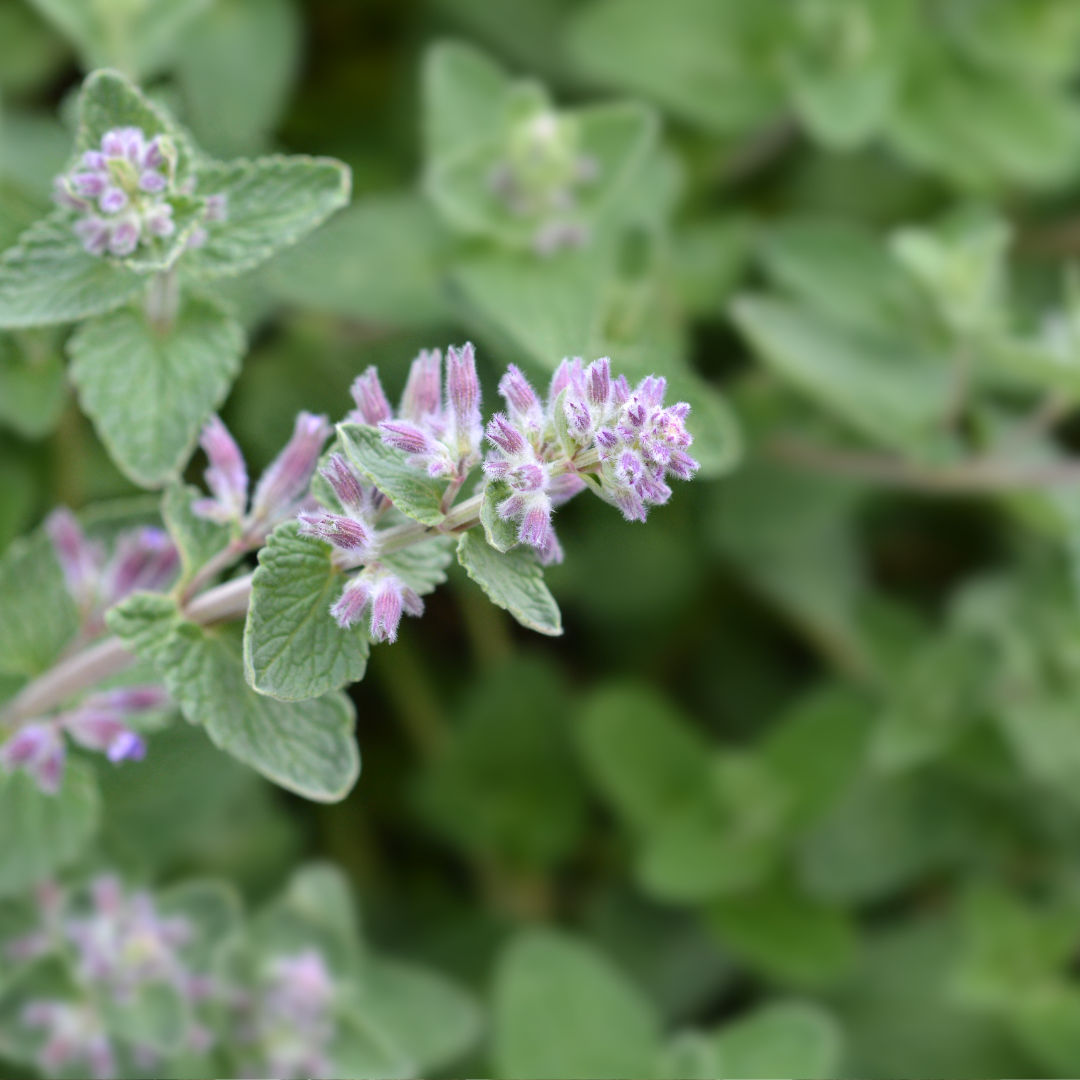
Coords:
796,791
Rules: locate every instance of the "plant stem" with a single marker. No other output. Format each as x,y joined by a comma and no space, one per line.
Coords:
979,475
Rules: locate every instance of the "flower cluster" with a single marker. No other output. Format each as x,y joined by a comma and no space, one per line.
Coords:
539,175
443,439
100,723
121,191
282,489
119,946
288,1023
143,559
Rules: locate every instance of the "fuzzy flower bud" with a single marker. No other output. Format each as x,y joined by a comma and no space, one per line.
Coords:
347,486
39,750
75,1035
423,390
463,394
371,404
286,480
145,560
342,532
384,595
226,476
80,560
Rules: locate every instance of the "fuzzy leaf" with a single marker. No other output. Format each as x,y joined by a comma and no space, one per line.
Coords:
513,581
41,833
561,1009
423,566
48,278
500,534
293,648
198,539
271,203
37,614
306,747
413,492
149,392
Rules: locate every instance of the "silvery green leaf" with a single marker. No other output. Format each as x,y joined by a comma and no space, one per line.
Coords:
48,277
293,648
513,581
500,534
236,66
307,747
41,833
271,203
561,1008
37,614
413,492
780,1039
423,566
149,391
197,539
33,382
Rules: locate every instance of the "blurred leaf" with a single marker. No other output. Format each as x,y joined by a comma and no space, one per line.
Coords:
150,390
561,1010
379,261
513,581
37,614
307,747
293,647
236,66
157,1016
506,787
706,60
39,833
33,383
29,54
786,936
270,204
198,539
781,1039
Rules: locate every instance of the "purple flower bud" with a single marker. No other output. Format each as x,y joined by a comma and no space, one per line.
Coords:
606,439
143,560
385,615
497,469
567,375
153,182
423,393
112,200
529,476
578,418
349,608
535,527
551,551
287,478
217,208
127,700
226,475
520,396
463,393
94,159
94,234
683,465
513,507
112,143
103,730
629,502
409,438
343,532
79,559
505,436
152,157
371,404
159,220
125,237
621,390
126,746
91,185
598,384
38,749
346,484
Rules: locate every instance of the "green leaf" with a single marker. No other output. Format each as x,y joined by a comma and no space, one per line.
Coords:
1048,1028
423,566
432,1020
379,261
48,278
136,37
33,383
513,581
500,534
879,385
643,756
150,390
293,648
157,1016
38,617
506,787
39,833
198,539
413,492
781,1039
786,936
561,1009
307,747
108,100
271,203
236,66
706,60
